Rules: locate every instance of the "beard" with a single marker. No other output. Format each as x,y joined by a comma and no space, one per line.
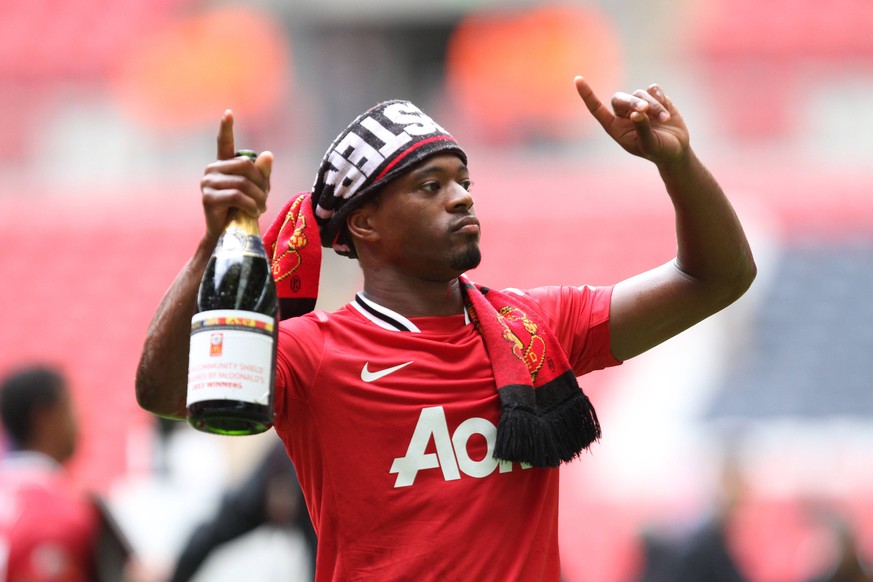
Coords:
467,259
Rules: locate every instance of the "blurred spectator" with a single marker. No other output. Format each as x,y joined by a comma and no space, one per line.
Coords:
703,554
660,557
848,566
270,496
48,530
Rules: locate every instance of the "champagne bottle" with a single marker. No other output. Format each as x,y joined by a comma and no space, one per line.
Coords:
232,358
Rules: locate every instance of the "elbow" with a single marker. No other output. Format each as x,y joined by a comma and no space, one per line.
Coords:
148,402
723,287
145,390
740,281
145,397
151,398
747,276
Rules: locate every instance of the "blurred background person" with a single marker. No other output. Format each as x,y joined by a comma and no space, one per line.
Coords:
48,529
847,565
701,552
270,497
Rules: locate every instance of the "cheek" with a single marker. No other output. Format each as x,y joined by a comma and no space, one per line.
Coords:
413,225
427,237
416,229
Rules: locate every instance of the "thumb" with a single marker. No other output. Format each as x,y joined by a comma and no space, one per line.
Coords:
647,140
264,164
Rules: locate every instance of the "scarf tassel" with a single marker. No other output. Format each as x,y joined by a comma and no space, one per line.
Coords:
545,436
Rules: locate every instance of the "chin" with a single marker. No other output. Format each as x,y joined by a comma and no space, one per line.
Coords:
467,260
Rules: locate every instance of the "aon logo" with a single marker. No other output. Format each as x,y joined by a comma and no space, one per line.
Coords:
451,455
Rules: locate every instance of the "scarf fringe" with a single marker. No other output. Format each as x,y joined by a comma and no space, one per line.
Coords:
554,436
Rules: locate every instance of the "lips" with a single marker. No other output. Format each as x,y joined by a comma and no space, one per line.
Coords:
466,224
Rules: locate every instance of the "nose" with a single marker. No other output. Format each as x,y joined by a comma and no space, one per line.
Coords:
459,199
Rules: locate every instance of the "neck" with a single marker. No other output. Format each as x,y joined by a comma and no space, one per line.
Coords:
415,297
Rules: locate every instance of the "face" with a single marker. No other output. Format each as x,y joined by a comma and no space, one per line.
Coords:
60,427
424,223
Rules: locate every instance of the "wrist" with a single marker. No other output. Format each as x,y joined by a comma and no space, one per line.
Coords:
205,248
677,165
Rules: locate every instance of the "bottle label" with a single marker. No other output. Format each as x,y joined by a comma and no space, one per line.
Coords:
231,356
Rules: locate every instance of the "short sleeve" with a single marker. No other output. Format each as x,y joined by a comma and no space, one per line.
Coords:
579,318
298,357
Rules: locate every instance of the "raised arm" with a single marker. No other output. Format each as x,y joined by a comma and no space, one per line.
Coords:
229,183
713,265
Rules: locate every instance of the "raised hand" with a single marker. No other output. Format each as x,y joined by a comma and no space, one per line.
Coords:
644,123
233,181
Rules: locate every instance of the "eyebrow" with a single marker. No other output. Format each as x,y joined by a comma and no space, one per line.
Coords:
434,169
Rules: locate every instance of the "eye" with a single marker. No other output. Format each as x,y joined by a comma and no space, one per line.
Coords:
466,184
431,187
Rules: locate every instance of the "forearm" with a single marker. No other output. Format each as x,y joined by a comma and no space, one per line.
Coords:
162,374
714,264
712,245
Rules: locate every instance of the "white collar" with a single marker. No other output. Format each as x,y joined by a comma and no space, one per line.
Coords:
387,318
29,460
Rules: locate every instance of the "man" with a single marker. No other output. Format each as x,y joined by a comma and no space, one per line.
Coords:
427,418
48,530
270,495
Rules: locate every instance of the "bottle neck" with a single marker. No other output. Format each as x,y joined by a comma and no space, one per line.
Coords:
244,222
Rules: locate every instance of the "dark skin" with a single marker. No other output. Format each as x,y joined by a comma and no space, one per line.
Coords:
55,429
713,265
421,234
229,183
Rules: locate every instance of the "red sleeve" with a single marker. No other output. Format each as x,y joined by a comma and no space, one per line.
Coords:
579,318
299,354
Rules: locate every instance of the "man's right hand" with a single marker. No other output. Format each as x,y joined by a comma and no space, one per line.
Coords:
233,182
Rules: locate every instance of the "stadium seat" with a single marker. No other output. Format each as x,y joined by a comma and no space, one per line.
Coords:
763,52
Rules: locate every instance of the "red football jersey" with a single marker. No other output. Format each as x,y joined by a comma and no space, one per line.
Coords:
47,528
391,423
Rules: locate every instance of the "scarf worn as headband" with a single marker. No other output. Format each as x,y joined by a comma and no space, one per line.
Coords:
545,417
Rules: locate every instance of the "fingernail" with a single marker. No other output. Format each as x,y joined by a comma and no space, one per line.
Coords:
664,115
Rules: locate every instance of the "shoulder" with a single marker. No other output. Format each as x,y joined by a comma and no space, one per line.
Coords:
557,299
28,469
314,321
304,338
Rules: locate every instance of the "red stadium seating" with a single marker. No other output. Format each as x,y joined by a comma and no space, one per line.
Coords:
78,291
47,46
756,56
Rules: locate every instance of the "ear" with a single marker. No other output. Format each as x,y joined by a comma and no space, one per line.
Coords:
360,224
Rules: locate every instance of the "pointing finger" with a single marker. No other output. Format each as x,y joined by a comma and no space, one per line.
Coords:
226,150
603,116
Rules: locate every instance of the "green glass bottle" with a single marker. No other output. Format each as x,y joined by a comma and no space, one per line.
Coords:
232,358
